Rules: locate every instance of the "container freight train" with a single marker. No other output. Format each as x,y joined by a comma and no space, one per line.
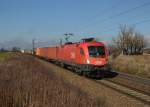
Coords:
84,57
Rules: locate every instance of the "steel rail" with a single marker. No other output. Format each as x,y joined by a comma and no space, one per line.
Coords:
121,88
125,90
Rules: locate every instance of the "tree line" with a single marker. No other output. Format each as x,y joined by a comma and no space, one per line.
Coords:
14,49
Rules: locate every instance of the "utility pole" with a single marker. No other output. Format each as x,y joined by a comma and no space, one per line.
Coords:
33,46
60,41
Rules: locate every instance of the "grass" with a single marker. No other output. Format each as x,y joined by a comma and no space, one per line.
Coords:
25,82
4,55
136,65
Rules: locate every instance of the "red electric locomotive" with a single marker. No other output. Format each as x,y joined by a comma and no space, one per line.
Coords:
85,57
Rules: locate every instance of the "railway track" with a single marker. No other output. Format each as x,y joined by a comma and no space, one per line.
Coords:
135,87
139,84
125,90
132,86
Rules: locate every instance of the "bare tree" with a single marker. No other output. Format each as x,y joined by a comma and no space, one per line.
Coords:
129,42
113,50
15,49
3,50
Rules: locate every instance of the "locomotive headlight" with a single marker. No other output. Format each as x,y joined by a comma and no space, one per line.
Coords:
88,62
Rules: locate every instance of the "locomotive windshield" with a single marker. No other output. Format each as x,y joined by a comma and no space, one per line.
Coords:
96,51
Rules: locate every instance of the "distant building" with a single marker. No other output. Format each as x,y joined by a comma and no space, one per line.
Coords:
22,51
26,51
146,51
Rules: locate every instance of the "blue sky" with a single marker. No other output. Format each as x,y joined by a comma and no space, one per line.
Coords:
48,20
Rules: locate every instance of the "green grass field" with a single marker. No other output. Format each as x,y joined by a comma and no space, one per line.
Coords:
4,55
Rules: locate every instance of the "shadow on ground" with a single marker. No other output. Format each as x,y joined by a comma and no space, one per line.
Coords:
98,75
105,74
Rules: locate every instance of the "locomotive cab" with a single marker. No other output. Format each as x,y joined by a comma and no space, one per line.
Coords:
96,56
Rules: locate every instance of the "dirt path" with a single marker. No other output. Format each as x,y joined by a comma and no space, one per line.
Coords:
95,90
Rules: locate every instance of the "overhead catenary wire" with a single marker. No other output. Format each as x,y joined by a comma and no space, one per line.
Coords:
133,24
105,11
127,19
45,43
121,13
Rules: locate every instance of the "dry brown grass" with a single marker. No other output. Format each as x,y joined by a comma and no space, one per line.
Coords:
137,65
24,82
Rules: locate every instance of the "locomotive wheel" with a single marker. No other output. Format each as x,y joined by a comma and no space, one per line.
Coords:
62,65
107,67
89,74
78,71
85,73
